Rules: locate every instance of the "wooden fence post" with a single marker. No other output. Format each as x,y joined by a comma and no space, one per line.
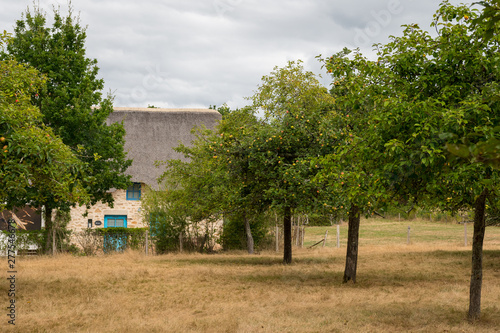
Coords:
277,238
338,236
296,235
54,247
277,232
465,233
408,236
302,236
180,243
304,230
324,239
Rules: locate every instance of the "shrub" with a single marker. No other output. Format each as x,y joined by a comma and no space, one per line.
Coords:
24,240
234,237
93,241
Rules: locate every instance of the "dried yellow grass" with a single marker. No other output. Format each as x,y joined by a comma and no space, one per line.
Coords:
415,288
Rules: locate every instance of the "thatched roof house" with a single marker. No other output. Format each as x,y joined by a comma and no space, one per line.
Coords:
151,133
150,136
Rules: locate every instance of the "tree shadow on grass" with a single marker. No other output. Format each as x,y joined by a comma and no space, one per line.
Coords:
249,260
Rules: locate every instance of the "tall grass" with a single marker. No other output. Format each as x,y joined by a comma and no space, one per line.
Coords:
421,287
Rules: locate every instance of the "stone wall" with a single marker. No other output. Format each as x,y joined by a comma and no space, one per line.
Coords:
122,206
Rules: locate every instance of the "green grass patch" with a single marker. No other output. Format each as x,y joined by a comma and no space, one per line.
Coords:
391,232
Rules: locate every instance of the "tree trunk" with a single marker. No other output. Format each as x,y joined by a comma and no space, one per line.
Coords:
351,260
181,242
202,246
476,279
287,236
248,232
49,227
54,247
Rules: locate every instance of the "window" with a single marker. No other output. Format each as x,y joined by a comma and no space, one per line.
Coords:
134,192
115,221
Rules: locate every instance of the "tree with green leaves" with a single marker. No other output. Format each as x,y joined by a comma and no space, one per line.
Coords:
251,165
279,152
486,148
425,94
31,155
348,170
212,182
451,85
230,148
191,193
72,103
269,160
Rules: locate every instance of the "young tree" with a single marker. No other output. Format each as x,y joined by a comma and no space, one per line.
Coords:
72,103
245,201
252,165
294,104
213,181
192,191
349,169
453,83
426,92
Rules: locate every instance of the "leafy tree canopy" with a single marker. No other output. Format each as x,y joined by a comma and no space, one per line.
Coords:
427,112
31,155
72,103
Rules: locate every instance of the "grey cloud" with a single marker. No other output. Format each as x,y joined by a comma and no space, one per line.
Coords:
197,53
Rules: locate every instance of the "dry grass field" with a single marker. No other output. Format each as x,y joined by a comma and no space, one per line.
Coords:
420,287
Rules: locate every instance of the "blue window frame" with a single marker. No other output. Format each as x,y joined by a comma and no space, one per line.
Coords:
134,192
114,221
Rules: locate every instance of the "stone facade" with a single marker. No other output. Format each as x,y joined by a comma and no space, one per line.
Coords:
123,207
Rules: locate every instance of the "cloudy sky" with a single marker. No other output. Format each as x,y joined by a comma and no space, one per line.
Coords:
196,53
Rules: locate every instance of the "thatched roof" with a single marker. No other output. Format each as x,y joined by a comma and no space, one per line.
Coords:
152,133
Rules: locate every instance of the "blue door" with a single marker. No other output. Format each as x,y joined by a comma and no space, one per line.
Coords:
115,241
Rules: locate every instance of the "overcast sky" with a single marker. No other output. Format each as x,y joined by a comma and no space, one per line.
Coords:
196,53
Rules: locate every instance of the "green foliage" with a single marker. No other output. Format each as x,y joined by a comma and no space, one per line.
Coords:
32,156
280,150
249,166
224,110
109,240
24,239
71,102
173,213
268,162
165,231
62,235
72,106
489,18
234,237
423,94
